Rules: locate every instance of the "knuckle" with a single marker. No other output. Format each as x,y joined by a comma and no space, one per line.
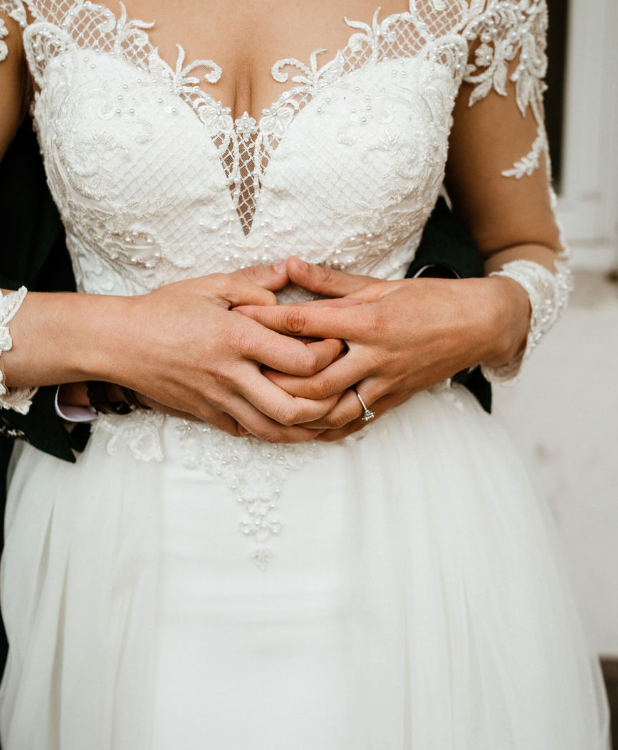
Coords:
305,363
240,339
338,420
323,388
251,273
221,283
325,274
286,415
201,413
294,320
226,383
219,400
272,435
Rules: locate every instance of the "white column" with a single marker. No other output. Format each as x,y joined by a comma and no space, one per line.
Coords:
588,205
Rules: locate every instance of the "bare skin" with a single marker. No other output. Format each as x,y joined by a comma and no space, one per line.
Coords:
187,349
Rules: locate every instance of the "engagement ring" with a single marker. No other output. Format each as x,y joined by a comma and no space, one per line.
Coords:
368,415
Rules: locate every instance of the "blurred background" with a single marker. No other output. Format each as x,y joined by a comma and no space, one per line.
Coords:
564,412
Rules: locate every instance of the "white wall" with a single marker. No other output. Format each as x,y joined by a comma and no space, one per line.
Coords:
588,204
565,411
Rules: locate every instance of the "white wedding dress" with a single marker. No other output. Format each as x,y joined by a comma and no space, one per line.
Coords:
178,588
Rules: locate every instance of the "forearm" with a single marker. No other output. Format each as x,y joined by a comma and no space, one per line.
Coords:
535,252
64,338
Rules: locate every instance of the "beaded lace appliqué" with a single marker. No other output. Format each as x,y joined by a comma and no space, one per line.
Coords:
4,50
549,294
17,399
254,470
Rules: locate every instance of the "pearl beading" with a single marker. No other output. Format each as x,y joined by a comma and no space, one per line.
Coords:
549,293
350,186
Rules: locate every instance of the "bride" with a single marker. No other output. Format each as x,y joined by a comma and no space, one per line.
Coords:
311,538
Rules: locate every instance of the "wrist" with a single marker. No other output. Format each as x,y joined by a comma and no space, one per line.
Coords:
65,337
508,319
111,359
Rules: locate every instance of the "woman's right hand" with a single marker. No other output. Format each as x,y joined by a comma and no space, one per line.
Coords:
182,347
201,358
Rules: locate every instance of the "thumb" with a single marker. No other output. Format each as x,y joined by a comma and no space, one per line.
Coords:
273,278
324,281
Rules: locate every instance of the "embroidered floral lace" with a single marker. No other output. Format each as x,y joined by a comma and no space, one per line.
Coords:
548,293
18,399
157,182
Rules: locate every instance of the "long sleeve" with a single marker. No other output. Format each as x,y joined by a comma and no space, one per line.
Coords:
499,169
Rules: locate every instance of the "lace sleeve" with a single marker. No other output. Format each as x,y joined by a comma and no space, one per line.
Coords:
18,399
16,10
508,60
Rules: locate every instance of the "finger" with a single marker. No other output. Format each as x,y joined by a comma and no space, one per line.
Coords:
233,289
313,321
209,414
272,278
156,406
380,407
331,381
325,352
284,353
279,405
256,423
329,302
324,281
354,424
348,410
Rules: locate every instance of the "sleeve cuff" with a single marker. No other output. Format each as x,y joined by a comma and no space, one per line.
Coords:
72,413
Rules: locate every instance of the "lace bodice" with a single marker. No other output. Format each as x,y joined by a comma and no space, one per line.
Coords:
156,182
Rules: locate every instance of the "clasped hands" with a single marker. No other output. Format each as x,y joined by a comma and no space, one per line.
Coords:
286,373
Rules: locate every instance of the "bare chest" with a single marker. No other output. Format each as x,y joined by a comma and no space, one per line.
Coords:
246,38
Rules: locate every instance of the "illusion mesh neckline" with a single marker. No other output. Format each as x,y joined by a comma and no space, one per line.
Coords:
246,144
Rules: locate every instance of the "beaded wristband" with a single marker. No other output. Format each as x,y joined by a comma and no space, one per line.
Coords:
549,294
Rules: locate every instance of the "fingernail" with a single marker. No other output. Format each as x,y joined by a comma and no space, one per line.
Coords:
280,267
242,430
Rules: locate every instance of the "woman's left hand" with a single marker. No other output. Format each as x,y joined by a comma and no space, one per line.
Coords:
402,336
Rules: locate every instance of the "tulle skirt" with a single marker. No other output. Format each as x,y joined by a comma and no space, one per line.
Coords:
416,600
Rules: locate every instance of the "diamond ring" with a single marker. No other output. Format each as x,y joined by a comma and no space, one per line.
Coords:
368,415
